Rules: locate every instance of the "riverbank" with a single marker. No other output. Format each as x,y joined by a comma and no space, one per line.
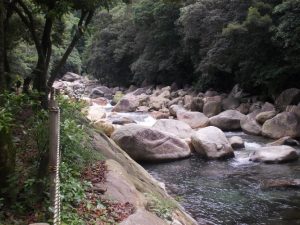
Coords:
156,124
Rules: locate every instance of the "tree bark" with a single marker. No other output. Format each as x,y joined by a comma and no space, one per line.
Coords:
2,70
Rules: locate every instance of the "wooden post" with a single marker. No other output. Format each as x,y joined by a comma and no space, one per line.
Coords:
53,145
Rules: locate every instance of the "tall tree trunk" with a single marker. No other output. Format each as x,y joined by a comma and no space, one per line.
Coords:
7,154
2,71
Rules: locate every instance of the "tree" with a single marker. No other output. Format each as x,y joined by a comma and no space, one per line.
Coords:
47,13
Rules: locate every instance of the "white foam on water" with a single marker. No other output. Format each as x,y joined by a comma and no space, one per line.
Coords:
252,146
148,121
241,158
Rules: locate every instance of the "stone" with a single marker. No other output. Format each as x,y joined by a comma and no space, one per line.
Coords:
123,121
100,101
160,115
210,93
101,91
143,109
95,113
210,142
274,154
280,183
256,106
212,108
119,186
288,97
236,142
174,109
105,126
148,144
230,103
130,102
175,101
197,104
227,120
71,77
283,124
293,108
143,217
244,108
249,125
264,116
267,106
158,102
176,127
194,119
284,141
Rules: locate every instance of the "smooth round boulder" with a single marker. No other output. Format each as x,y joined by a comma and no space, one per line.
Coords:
194,119
148,144
274,154
210,142
212,108
249,125
230,103
264,116
174,109
105,126
236,142
176,127
197,104
288,97
95,113
282,125
227,120
284,141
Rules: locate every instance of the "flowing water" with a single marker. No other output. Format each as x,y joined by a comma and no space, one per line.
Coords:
229,192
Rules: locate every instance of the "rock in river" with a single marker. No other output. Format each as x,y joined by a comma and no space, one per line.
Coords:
194,119
148,144
227,120
176,127
211,142
274,154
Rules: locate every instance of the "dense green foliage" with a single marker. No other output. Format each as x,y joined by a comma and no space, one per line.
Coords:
211,43
29,124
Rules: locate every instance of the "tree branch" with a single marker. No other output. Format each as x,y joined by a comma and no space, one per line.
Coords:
84,21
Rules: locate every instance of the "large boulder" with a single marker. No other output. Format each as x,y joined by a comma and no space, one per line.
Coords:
101,91
288,97
143,217
283,124
244,108
293,108
194,119
174,109
176,127
71,77
230,103
249,125
158,102
227,120
210,142
212,108
130,102
95,113
274,154
148,144
105,126
284,141
264,116
197,104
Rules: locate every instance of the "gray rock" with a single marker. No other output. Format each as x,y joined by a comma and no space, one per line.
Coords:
148,144
211,143
288,97
71,77
230,103
282,125
176,127
249,125
284,141
212,108
194,119
227,120
274,154
264,116
236,142
197,104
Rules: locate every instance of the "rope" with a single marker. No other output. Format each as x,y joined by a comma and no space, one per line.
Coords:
56,215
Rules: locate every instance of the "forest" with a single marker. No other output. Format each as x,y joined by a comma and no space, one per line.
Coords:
230,65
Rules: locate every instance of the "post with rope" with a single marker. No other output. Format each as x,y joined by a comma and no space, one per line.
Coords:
54,157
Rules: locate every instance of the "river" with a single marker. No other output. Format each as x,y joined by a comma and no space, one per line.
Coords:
229,192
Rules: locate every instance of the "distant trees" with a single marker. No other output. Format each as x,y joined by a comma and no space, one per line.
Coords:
208,43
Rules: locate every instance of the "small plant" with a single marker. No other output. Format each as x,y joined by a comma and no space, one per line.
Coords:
163,208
